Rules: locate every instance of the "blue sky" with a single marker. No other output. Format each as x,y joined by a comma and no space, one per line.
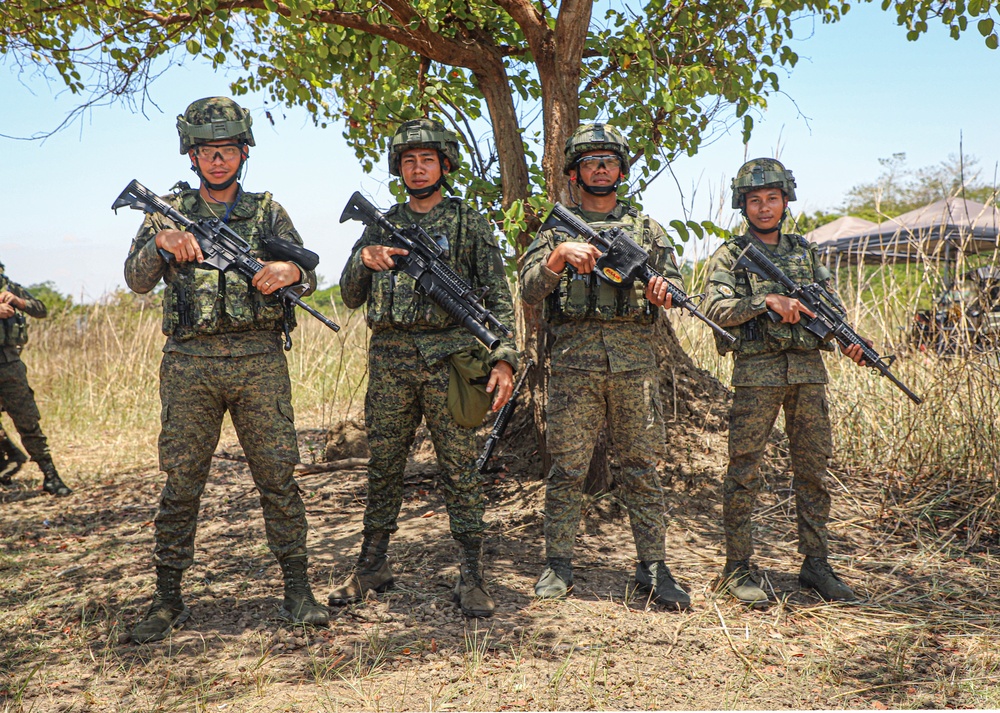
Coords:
859,93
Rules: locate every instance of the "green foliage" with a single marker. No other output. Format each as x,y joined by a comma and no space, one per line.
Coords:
326,300
804,223
54,301
670,73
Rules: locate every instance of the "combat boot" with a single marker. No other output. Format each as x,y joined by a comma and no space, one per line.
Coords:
53,484
167,609
470,591
655,579
371,573
556,580
13,459
300,605
738,580
817,574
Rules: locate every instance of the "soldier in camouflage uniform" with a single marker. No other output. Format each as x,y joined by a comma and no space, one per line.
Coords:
778,365
602,366
223,353
410,358
16,396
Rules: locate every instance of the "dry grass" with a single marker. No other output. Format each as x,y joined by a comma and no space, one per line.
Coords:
913,530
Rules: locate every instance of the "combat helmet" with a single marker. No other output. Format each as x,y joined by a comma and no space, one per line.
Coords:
762,173
423,134
594,137
214,119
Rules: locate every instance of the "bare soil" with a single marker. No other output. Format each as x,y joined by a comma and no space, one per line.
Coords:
76,575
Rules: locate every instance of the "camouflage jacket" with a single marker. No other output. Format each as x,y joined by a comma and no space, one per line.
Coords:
767,353
598,327
392,296
207,312
14,330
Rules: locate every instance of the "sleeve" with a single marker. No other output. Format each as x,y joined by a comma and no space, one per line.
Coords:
33,307
536,279
492,274
144,267
724,305
356,279
282,228
663,258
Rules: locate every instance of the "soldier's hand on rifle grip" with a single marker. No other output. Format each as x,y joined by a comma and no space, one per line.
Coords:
379,257
181,244
854,352
790,309
276,275
9,298
501,384
582,256
6,310
656,292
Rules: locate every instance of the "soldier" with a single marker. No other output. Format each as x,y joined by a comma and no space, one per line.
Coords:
602,366
415,348
223,352
777,365
16,396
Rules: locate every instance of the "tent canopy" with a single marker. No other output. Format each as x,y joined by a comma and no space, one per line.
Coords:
939,230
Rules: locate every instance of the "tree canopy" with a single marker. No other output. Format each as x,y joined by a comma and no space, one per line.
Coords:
513,77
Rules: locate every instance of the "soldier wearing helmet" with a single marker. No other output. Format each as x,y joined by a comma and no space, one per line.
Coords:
223,353
603,366
778,364
416,357
16,396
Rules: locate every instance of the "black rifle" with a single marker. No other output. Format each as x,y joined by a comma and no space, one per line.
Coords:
829,320
623,260
503,420
224,250
425,264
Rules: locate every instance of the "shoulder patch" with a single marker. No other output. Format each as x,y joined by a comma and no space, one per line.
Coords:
726,291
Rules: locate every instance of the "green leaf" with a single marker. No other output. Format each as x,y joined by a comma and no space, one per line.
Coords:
985,26
192,46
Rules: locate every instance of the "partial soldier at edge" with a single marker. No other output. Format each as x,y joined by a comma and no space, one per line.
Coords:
16,396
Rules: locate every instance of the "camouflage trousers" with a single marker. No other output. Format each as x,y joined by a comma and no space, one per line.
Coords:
18,400
579,402
807,423
195,393
401,389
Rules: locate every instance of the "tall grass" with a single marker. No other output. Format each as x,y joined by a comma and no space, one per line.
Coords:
946,448
95,373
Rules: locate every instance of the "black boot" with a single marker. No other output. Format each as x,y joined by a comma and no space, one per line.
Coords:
52,484
11,460
371,573
300,605
167,609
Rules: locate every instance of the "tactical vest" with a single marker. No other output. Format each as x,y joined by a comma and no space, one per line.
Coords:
394,298
200,301
761,335
15,327
588,297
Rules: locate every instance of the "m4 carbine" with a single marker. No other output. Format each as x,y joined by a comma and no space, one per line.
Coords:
623,260
224,250
829,320
425,264
503,420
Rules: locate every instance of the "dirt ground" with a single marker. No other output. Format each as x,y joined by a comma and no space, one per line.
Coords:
77,575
